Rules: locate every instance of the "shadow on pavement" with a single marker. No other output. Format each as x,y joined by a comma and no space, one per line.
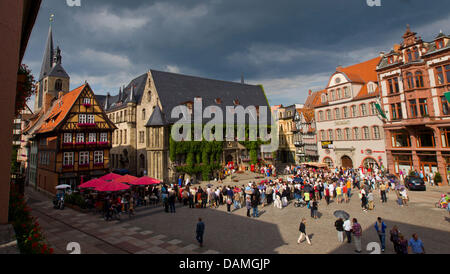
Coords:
223,230
433,239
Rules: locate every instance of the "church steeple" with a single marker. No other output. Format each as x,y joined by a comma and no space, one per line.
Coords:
53,78
47,60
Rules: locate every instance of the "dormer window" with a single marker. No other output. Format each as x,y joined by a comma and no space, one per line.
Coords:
87,102
371,88
439,43
409,55
324,98
390,59
415,52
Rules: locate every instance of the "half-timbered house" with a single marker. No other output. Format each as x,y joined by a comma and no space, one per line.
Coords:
73,140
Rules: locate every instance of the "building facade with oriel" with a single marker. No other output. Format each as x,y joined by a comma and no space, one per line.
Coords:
349,128
415,77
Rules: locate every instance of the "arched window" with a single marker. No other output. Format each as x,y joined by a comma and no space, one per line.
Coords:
337,114
348,134
58,85
329,162
329,117
354,111
339,134
356,134
330,135
345,112
143,114
324,98
366,134
363,109
376,132
419,79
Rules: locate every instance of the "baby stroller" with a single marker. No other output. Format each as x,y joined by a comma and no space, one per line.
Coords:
300,203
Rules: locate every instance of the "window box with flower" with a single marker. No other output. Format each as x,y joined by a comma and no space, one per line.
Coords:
86,124
87,105
83,165
68,166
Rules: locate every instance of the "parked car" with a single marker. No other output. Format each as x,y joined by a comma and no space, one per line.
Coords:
415,183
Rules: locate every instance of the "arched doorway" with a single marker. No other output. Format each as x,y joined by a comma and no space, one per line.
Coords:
346,162
370,162
229,158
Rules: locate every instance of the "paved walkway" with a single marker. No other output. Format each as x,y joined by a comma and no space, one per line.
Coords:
275,231
96,236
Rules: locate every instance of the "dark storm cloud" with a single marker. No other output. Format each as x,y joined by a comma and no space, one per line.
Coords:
287,45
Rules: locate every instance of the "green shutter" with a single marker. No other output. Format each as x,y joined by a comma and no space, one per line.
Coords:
380,110
447,95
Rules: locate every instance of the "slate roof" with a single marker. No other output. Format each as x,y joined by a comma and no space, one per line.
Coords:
48,55
115,102
176,89
157,118
58,71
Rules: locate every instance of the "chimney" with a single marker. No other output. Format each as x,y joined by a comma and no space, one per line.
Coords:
48,99
60,94
309,92
381,53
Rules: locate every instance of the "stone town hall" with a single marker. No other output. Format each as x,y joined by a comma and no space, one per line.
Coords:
142,109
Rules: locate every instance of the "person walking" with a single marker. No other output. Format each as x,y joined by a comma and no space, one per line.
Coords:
348,230
339,225
248,205
380,227
395,239
302,230
314,208
254,204
383,193
172,198
402,244
200,231
357,233
415,245
327,195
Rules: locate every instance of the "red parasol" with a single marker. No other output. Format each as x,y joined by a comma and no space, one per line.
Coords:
110,177
112,186
93,183
125,179
144,181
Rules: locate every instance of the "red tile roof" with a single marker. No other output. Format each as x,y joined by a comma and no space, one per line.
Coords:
363,72
60,109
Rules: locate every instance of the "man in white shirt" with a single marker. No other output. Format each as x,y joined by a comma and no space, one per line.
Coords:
348,229
331,188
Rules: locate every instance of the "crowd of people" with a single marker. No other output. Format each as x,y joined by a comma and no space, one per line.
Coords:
300,184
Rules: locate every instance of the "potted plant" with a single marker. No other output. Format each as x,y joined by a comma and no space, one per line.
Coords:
25,88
